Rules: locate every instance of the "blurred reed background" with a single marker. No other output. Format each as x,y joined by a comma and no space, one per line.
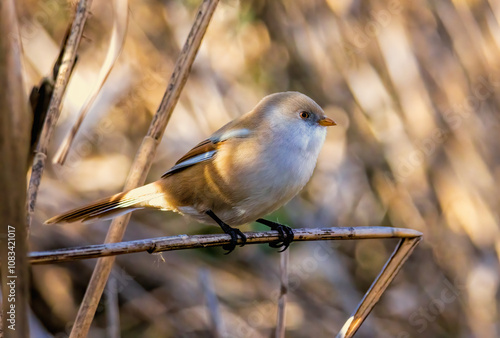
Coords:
414,89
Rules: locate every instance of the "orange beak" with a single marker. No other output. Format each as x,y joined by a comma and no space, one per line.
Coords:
327,122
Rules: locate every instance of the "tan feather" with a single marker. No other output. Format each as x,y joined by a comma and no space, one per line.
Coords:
147,196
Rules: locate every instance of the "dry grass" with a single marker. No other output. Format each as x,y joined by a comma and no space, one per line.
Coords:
414,88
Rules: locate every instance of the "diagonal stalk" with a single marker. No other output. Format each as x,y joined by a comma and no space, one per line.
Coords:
142,163
62,79
389,271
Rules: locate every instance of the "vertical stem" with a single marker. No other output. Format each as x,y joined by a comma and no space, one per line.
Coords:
280,323
15,126
112,311
217,326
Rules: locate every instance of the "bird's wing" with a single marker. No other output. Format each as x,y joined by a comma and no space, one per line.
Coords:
202,152
205,150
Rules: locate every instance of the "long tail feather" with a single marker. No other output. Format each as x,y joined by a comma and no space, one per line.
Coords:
115,205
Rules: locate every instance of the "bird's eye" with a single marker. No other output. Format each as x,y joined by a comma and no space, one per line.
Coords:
304,115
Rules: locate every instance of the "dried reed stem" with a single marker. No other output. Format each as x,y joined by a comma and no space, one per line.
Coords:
120,24
15,125
372,296
183,242
112,309
142,163
54,111
281,320
217,326
409,240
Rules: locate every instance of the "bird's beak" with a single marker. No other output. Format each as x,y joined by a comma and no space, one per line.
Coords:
327,122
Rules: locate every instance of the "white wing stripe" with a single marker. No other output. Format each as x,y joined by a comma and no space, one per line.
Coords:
234,133
192,161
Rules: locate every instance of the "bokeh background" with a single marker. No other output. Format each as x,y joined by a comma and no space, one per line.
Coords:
414,88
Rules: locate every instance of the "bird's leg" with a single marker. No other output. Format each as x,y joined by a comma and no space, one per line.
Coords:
234,233
285,234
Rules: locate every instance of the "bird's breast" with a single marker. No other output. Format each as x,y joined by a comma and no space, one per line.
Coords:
256,178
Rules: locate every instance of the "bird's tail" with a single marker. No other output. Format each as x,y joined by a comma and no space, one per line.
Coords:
148,196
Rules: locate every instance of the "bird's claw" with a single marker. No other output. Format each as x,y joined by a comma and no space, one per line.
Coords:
234,233
285,234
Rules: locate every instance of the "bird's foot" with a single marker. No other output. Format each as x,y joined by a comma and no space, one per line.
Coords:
285,234
234,233
285,237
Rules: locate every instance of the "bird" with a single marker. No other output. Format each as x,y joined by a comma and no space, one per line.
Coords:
245,170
